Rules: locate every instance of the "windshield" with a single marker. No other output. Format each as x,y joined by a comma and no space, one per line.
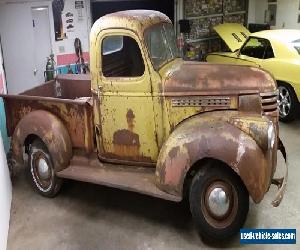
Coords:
161,43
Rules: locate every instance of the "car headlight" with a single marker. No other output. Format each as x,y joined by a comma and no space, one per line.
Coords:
271,135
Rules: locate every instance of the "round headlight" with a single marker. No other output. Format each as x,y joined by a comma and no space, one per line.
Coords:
271,135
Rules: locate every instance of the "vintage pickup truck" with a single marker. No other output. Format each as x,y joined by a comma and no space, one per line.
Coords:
149,122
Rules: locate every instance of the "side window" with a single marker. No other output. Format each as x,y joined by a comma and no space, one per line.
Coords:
258,48
121,57
269,52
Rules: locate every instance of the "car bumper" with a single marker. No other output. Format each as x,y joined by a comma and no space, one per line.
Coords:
280,182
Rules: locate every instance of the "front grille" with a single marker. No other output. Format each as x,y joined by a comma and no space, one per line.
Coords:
201,102
269,103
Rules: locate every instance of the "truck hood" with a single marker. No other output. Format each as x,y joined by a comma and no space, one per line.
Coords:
196,78
233,34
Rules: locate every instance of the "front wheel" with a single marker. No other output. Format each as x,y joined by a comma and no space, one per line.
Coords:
219,202
42,171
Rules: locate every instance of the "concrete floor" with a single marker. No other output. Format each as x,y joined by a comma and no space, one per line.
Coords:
86,216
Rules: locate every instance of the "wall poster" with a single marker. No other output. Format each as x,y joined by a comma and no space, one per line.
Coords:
57,8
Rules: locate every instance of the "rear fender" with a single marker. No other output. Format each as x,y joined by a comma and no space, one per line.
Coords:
50,130
203,137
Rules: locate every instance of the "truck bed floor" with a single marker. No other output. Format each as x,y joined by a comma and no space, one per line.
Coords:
131,178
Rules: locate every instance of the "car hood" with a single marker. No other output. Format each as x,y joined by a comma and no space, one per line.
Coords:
196,78
233,34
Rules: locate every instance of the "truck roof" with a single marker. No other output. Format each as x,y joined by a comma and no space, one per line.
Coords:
137,20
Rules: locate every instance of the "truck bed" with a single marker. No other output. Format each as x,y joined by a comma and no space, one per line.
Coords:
68,97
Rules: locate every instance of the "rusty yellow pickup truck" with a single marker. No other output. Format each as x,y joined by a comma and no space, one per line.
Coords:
149,122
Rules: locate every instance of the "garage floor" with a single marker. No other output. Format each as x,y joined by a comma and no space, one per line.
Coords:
86,216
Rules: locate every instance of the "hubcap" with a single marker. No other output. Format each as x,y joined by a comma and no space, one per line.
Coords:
43,169
284,101
218,202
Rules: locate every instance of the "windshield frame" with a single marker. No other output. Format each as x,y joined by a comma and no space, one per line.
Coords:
174,57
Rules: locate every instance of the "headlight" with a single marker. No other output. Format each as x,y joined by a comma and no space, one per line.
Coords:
271,136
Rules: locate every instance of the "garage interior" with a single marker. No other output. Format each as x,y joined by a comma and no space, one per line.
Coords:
37,45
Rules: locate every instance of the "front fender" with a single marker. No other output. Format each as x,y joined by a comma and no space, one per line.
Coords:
212,137
50,130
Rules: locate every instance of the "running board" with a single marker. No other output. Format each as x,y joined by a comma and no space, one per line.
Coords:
130,178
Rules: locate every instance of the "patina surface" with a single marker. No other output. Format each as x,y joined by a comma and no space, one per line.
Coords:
195,78
215,136
50,130
75,114
170,118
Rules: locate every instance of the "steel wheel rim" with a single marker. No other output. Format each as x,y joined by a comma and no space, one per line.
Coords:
284,101
224,216
41,175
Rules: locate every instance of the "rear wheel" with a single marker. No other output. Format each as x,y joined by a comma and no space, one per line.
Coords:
42,171
287,102
219,202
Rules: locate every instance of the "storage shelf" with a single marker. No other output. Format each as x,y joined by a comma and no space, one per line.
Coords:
206,16
235,13
202,39
217,15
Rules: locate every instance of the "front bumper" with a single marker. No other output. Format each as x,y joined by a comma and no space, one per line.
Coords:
280,182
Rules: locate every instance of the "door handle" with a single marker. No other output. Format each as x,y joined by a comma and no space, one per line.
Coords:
99,92
35,71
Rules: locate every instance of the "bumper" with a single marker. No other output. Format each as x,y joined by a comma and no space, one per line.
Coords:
281,182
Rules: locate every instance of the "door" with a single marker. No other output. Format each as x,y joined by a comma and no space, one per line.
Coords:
23,46
42,41
126,105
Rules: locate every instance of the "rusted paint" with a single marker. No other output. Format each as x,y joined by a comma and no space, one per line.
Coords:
255,126
182,135
131,178
212,136
126,142
75,113
50,130
127,136
281,182
250,104
196,78
64,87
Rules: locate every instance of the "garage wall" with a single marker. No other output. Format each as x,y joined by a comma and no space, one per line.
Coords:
260,7
64,50
5,197
287,13
2,113
18,35
251,11
5,183
2,75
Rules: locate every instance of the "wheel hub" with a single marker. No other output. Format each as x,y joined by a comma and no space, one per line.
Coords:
284,101
43,169
218,202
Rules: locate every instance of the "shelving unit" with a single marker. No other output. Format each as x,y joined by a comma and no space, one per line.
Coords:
205,14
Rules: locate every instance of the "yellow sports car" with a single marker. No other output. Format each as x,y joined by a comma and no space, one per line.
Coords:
277,51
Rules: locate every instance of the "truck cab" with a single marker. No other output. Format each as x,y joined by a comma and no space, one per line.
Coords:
149,122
